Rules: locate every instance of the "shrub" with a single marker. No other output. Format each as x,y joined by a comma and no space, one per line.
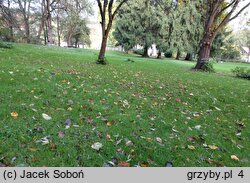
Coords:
242,72
209,67
139,51
5,45
168,54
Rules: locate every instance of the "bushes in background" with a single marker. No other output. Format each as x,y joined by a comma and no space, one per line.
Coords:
242,72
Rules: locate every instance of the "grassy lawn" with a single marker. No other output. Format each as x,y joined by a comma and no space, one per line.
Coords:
145,112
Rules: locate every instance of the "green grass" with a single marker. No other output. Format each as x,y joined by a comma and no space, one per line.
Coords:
142,100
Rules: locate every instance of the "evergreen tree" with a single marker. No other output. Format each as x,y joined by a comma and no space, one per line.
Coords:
141,22
187,28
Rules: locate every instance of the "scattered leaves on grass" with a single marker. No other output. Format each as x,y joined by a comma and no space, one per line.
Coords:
14,115
217,163
46,117
97,146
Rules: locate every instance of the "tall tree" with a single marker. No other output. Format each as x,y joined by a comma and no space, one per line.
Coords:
25,8
187,28
8,19
214,23
108,11
142,22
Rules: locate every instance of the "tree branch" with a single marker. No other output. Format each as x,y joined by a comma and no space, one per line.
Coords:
237,14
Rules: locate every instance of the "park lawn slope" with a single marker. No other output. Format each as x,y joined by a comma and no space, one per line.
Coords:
144,111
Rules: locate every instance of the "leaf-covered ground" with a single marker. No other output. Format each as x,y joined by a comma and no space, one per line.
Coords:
58,108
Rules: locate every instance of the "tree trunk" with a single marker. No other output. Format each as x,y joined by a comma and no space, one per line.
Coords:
45,31
204,52
58,29
11,33
27,31
50,36
159,55
49,22
42,24
101,58
178,55
145,53
189,57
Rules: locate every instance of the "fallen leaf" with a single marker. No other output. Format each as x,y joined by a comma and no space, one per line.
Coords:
129,143
107,165
235,158
61,134
108,137
124,164
198,127
44,141
191,147
46,117
217,163
213,147
97,146
109,124
144,165
218,109
169,164
52,146
196,114
33,149
158,139
178,100
68,122
14,115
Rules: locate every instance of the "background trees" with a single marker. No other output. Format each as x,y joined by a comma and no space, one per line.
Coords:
192,27
45,21
144,29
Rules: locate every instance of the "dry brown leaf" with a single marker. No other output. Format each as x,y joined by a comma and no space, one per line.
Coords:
213,147
235,158
191,147
124,164
14,115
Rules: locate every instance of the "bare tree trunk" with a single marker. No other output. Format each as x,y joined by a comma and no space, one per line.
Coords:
145,53
101,58
178,55
42,24
25,9
159,54
45,31
189,57
58,30
49,22
69,40
27,31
